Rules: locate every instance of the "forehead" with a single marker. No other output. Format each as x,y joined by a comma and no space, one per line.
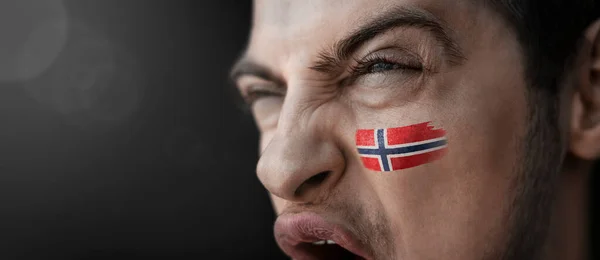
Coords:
282,28
290,12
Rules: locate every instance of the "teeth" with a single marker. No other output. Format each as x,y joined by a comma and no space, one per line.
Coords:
322,242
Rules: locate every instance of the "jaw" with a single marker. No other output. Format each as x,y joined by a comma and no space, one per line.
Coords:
569,224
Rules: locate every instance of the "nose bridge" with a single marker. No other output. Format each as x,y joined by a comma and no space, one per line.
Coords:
297,112
301,161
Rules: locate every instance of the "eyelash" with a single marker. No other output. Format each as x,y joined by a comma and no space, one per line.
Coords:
364,66
360,68
254,94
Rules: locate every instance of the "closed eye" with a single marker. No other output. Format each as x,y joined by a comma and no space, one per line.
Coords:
383,66
382,63
255,93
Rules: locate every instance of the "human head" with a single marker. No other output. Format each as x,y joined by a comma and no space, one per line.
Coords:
514,85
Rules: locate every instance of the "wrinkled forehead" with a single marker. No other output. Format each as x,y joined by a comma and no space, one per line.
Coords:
281,27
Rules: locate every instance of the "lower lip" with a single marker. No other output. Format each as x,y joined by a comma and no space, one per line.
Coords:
310,227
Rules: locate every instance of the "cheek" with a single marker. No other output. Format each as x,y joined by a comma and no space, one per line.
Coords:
439,207
266,112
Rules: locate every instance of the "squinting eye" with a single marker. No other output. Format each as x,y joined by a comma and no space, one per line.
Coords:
255,94
380,64
383,66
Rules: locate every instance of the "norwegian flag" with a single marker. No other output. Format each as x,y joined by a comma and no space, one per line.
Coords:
392,149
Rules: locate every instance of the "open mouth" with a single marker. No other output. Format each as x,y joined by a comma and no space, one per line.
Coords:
308,236
326,249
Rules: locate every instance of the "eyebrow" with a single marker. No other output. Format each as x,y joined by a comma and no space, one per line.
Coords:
330,60
247,66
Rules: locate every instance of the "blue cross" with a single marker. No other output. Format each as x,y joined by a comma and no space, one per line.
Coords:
384,152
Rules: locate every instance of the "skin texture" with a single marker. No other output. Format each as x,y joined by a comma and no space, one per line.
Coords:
512,184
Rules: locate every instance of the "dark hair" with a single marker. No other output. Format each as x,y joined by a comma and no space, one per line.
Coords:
549,32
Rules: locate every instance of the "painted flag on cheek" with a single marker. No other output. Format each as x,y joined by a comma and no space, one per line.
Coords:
392,149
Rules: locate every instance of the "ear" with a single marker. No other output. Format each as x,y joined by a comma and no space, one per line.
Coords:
585,110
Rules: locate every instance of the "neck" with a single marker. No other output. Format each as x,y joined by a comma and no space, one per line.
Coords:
568,238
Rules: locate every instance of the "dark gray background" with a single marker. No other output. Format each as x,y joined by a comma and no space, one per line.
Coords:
125,143
129,145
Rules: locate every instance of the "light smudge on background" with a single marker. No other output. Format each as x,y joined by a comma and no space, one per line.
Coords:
94,83
34,33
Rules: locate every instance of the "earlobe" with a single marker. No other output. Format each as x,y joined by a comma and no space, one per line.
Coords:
585,137
585,105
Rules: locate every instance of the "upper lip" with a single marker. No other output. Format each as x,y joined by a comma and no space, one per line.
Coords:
294,230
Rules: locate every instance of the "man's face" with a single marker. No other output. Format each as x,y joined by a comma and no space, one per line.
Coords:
317,71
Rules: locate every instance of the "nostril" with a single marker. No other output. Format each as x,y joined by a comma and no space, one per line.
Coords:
312,183
317,179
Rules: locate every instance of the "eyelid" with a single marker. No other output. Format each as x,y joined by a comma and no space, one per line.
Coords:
247,83
403,54
398,55
266,88
262,90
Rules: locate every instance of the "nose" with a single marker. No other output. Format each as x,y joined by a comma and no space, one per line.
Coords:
301,163
299,167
